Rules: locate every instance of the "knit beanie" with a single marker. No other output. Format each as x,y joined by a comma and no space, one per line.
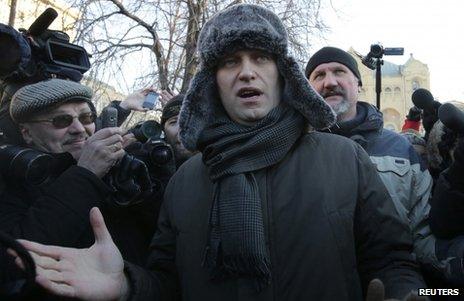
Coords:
241,27
44,95
332,54
172,108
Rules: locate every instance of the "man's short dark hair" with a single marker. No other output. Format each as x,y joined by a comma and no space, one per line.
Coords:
172,108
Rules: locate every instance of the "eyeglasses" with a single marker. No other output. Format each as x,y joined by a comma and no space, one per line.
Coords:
65,120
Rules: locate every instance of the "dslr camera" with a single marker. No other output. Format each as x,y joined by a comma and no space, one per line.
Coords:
144,171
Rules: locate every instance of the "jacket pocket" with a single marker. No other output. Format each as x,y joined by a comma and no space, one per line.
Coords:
398,166
396,175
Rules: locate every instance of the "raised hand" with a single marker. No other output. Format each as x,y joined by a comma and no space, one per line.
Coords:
94,274
166,96
102,150
135,100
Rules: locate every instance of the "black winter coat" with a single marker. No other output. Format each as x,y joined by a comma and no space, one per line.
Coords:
58,214
330,228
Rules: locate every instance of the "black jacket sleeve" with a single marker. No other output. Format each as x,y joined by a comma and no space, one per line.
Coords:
60,213
160,281
384,242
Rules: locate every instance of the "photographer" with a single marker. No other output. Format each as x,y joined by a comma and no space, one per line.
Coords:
57,116
170,124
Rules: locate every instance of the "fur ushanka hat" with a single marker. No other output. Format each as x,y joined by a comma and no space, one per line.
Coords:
245,26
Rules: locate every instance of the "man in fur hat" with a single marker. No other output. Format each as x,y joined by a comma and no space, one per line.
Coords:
264,211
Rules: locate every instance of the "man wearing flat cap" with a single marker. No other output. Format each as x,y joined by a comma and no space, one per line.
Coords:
334,74
57,117
264,211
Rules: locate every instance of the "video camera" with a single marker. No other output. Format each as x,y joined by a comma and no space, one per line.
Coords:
377,51
40,53
33,55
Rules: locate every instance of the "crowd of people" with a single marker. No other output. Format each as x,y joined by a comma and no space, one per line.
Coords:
286,185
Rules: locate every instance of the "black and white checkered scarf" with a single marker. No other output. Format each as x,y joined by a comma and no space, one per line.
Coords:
236,246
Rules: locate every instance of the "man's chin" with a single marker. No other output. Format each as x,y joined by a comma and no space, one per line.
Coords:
334,98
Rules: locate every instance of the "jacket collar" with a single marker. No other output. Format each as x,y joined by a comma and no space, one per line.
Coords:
368,119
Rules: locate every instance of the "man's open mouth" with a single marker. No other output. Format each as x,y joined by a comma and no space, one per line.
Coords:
332,94
249,92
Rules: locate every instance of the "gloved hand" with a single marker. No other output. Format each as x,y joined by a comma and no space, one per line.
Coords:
376,292
414,114
130,180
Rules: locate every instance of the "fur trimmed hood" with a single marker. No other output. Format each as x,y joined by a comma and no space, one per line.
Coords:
438,143
239,27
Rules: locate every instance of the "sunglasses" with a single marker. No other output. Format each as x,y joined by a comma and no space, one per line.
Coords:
65,120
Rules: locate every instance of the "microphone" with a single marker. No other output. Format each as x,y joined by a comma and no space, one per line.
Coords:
422,98
452,117
42,22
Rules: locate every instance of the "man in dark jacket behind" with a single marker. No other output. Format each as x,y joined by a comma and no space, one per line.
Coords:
264,211
334,74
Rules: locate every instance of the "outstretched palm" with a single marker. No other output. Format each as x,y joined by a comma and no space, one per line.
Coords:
95,273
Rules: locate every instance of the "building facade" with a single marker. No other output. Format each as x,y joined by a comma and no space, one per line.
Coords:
398,83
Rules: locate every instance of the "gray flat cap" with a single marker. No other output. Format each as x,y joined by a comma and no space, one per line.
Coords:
39,97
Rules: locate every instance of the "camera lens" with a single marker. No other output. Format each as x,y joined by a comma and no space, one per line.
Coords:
161,154
38,171
26,164
146,130
376,50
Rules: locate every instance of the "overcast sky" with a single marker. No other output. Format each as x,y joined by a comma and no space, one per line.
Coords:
432,30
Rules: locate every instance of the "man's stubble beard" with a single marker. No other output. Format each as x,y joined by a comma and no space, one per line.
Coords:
341,108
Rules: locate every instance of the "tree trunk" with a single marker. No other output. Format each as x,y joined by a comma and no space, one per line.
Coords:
11,18
193,30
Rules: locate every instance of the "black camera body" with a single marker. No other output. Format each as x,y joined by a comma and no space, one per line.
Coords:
40,53
377,51
151,148
31,167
